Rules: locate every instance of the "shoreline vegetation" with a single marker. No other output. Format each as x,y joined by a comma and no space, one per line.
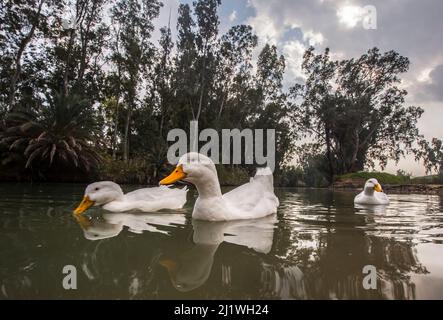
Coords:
289,177
93,97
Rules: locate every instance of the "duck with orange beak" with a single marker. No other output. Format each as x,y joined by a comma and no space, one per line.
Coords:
372,194
255,199
110,196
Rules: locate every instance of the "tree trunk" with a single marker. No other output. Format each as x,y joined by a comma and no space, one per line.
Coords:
126,137
328,154
202,83
68,60
221,107
114,147
353,163
22,47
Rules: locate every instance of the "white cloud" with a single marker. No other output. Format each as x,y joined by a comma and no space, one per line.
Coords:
313,38
233,16
265,29
293,52
350,16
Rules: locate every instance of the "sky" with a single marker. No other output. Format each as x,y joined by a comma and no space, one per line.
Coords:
414,28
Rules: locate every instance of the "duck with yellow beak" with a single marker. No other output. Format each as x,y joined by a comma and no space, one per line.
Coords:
110,196
255,199
372,194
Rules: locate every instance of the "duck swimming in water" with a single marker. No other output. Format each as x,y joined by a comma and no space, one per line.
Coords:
255,199
110,196
372,194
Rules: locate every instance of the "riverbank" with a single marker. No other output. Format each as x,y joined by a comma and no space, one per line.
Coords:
432,189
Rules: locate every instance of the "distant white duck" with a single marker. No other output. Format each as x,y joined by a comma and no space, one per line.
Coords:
252,200
372,194
110,196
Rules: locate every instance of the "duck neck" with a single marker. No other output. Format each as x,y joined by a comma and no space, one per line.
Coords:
208,187
369,191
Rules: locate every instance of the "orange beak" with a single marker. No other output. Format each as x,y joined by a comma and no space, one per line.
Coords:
378,188
169,264
84,205
83,221
175,176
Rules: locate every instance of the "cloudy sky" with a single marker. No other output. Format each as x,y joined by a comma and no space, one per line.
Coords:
414,28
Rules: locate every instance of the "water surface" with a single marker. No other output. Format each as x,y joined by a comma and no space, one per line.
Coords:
315,247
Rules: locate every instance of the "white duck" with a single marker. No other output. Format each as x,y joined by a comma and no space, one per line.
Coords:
372,194
110,196
252,200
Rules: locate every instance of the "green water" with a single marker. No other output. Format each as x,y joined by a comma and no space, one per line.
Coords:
314,248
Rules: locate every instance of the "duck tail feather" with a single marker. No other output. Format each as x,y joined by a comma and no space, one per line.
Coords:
265,177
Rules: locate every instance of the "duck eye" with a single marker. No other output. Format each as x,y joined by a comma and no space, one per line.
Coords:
96,189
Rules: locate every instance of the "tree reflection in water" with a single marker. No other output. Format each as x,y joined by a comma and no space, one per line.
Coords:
240,260
316,247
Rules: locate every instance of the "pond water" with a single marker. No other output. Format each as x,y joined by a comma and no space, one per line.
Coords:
315,247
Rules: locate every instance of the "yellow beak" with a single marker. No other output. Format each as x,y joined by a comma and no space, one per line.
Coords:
84,205
176,175
83,221
378,188
169,264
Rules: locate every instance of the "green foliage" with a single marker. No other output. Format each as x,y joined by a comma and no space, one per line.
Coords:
432,155
232,175
354,110
137,171
120,93
290,176
432,179
382,177
62,131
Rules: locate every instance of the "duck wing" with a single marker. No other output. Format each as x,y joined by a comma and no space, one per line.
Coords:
155,193
381,197
254,199
156,198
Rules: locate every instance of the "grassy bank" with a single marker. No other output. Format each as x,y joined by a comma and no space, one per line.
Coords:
387,178
382,177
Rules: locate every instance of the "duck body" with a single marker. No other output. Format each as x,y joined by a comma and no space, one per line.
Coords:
110,196
372,194
255,199
149,200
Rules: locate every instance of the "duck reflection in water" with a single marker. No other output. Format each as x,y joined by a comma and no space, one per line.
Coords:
111,224
193,267
224,257
370,208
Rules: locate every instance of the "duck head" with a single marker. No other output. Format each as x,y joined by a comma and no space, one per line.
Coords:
372,185
99,193
199,170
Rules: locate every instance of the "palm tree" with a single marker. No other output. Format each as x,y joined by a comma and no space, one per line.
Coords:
62,130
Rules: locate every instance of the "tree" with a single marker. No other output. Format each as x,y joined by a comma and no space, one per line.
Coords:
355,110
22,24
431,154
62,131
207,23
185,79
275,113
135,20
270,71
234,57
